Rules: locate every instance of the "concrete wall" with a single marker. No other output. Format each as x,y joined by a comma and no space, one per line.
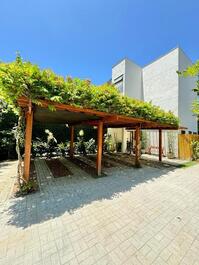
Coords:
133,80
118,71
186,95
160,82
132,87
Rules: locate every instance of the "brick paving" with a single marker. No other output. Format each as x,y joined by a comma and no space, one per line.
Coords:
133,216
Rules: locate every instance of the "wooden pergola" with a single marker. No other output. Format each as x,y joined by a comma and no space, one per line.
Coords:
71,115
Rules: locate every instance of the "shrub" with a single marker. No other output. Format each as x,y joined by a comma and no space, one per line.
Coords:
195,150
26,188
90,146
144,140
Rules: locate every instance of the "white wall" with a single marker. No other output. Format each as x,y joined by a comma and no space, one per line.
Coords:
132,87
186,95
160,82
117,71
133,80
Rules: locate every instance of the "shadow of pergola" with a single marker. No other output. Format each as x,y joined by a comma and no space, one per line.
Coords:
59,198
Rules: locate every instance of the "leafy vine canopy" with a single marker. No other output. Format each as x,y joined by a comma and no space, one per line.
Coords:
21,78
193,71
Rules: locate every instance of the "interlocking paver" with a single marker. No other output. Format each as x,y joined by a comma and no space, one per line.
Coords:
133,216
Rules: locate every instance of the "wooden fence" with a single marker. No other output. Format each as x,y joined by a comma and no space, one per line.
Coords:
184,145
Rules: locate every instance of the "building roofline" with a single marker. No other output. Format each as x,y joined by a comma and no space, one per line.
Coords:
153,61
171,50
118,62
125,59
161,56
186,55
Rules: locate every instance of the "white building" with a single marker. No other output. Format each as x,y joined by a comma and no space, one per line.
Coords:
159,83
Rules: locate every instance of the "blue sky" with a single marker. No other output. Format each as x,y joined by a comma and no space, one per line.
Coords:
85,38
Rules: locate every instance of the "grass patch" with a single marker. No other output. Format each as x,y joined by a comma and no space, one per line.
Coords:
189,164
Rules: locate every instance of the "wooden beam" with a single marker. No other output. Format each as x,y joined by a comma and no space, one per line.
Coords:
72,132
153,128
86,122
23,102
160,145
110,119
99,148
137,146
28,140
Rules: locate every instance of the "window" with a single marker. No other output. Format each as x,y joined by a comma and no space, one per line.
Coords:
118,82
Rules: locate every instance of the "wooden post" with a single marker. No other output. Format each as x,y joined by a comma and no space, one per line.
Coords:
28,140
99,148
103,141
71,151
137,146
160,145
132,139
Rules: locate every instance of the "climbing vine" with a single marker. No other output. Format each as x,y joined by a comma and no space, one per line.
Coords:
19,136
21,78
193,71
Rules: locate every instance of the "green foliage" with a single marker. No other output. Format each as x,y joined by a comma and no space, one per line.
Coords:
46,148
144,140
80,145
90,146
188,164
63,148
26,188
193,71
195,150
109,145
8,121
195,107
39,148
21,78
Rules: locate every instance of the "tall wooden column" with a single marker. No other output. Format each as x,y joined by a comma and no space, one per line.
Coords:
137,146
99,148
72,131
131,142
160,145
28,142
103,141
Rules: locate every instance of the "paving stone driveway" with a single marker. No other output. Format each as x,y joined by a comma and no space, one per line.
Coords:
133,216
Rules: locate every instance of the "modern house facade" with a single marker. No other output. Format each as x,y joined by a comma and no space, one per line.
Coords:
159,83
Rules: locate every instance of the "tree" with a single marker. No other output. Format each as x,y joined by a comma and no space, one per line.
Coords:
193,71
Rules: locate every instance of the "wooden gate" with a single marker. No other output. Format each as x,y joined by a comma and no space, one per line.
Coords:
184,145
